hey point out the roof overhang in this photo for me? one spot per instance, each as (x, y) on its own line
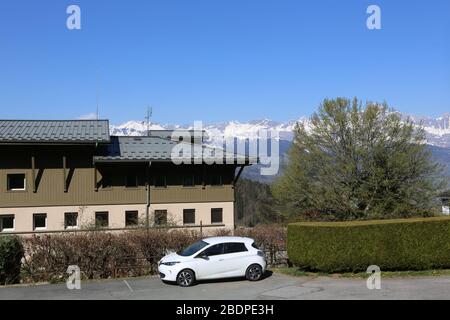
(193, 161)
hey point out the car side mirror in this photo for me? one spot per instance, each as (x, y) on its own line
(203, 256)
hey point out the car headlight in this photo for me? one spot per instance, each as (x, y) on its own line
(172, 263)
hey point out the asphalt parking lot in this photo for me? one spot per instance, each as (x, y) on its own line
(275, 286)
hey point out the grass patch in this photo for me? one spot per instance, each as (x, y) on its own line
(296, 272)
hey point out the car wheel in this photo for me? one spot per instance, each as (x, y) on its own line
(254, 272)
(186, 278)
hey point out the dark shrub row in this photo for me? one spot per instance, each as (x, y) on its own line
(402, 244)
(269, 238)
(100, 255)
(11, 253)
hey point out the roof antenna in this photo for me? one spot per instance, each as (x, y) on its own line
(97, 97)
(147, 119)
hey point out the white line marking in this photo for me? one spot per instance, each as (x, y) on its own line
(129, 287)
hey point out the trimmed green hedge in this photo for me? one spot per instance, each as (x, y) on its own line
(11, 253)
(401, 244)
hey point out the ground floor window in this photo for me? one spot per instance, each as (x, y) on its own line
(39, 221)
(216, 215)
(131, 218)
(189, 216)
(6, 223)
(160, 217)
(101, 219)
(71, 220)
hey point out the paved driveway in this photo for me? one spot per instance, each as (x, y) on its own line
(275, 286)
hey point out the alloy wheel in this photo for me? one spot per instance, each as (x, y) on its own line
(185, 278)
(254, 273)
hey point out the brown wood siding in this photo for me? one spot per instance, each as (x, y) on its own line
(49, 180)
(179, 194)
(50, 191)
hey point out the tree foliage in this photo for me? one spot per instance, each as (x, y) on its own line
(358, 162)
(254, 203)
(11, 253)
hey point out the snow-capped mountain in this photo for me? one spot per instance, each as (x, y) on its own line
(244, 130)
(437, 129)
(133, 128)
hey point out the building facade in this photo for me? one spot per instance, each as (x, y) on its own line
(72, 175)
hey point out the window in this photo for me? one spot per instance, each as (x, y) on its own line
(39, 221)
(160, 181)
(189, 216)
(188, 180)
(235, 247)
(132, 180)
(215, 250)
(101, 219)
(216, 180)
(6, 223)
(71, 220)
(131, 218)
(16, 182)
(160, 217)
(193, 248)
(216, 215)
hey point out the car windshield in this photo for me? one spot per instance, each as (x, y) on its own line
(193, 248)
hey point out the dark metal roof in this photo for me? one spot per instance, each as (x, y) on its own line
(54, 131)
(176, 134)
(137, 148)
(156, 149)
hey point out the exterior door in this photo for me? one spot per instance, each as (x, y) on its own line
(213, 265)
(236, 259)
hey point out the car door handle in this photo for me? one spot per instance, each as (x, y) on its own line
(221, 259)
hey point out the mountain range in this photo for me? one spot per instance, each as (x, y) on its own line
(437, 133)
(437, 129)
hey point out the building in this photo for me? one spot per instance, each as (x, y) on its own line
(445, 205)
(69, 175)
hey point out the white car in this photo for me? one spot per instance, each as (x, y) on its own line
(214, 258)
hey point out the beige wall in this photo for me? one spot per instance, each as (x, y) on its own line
(86, 214)
(55, 216)
(202, 212)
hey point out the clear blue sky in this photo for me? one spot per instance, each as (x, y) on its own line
(218, 60)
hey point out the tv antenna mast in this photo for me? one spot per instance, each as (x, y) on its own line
(148, 118)
(97, 97)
